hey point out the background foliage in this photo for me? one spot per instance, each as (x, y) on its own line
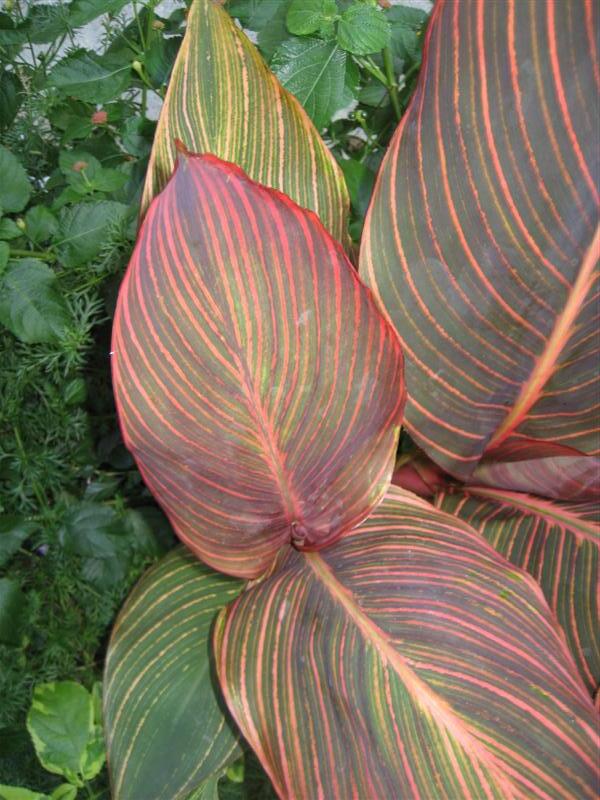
(77, 526)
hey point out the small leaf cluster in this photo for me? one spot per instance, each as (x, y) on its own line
(353, 67)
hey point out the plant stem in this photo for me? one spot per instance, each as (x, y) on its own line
(45, 254)
(392, 84)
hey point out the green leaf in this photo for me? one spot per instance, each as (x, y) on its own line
(65, 736)
(85, 228)
(159, 56)
(166, 729)
(406, 27)
(89, 77)
(45, 23)
(14, 530)
(96, 533)
(85, 174)
(4, 256)
(40, 224)
(15, 188)
(9, 229)
(10, 98)
(66, 791)
(363, 29)
(83, 11)
(309, 16)
(18, 793)
(314, 71)
(12, 609)
(30, 305)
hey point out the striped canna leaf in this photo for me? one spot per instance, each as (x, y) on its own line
(165, 724)
(556, 542)
(547, 470)
(482, 242)
(223, 99)
(252, 371)
(407, 660)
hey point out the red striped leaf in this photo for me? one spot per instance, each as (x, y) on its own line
(557, 543)
(252, 371)
(482, 242)
(223, 99)
(408, 660)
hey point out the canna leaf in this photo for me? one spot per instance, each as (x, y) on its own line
(165, 728)
(222, 99)
(252, 371)
(557, 543)
(544, 469)
(408, 660)
(481, 241)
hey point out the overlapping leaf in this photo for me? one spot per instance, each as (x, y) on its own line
(408, 660)
(558, 543)
(166, 729)
(482, 240)
(252, 371)
(223, 99)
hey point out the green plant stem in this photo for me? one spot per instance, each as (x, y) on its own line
(373, 70)
(45, 254)
(392, 84)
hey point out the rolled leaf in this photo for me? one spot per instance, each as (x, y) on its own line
(408, 660)
(481, 241)
(557, 543)
(223, 99)
(547, 470)
(167, 730)
(252, 371)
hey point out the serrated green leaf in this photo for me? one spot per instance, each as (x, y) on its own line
(92, 78)
(309, 16)
(15, 188)
(314, 71)
(14, 530)
(10, 98)
(61, 725)
(83, 11)
(12, 608)
(363, 29)
(84, 229)
(30, 305)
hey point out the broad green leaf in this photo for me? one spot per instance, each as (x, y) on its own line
(481, 241)
(86, 175)
(558, 543)
(12, 609)
(62, 727)
(314, 71)
(406, 30)
(166, 729)
(83, 11)
(309, 16)
(40, 224)
(256, 14)
(31, 306)
(222, 99)
(90, 77)
(252, 371)
(14, 530)
(85, 228)
(275, 32)
(19, 793)
(363, 29)
(414, 656)
(10, 98)
(15, 188)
